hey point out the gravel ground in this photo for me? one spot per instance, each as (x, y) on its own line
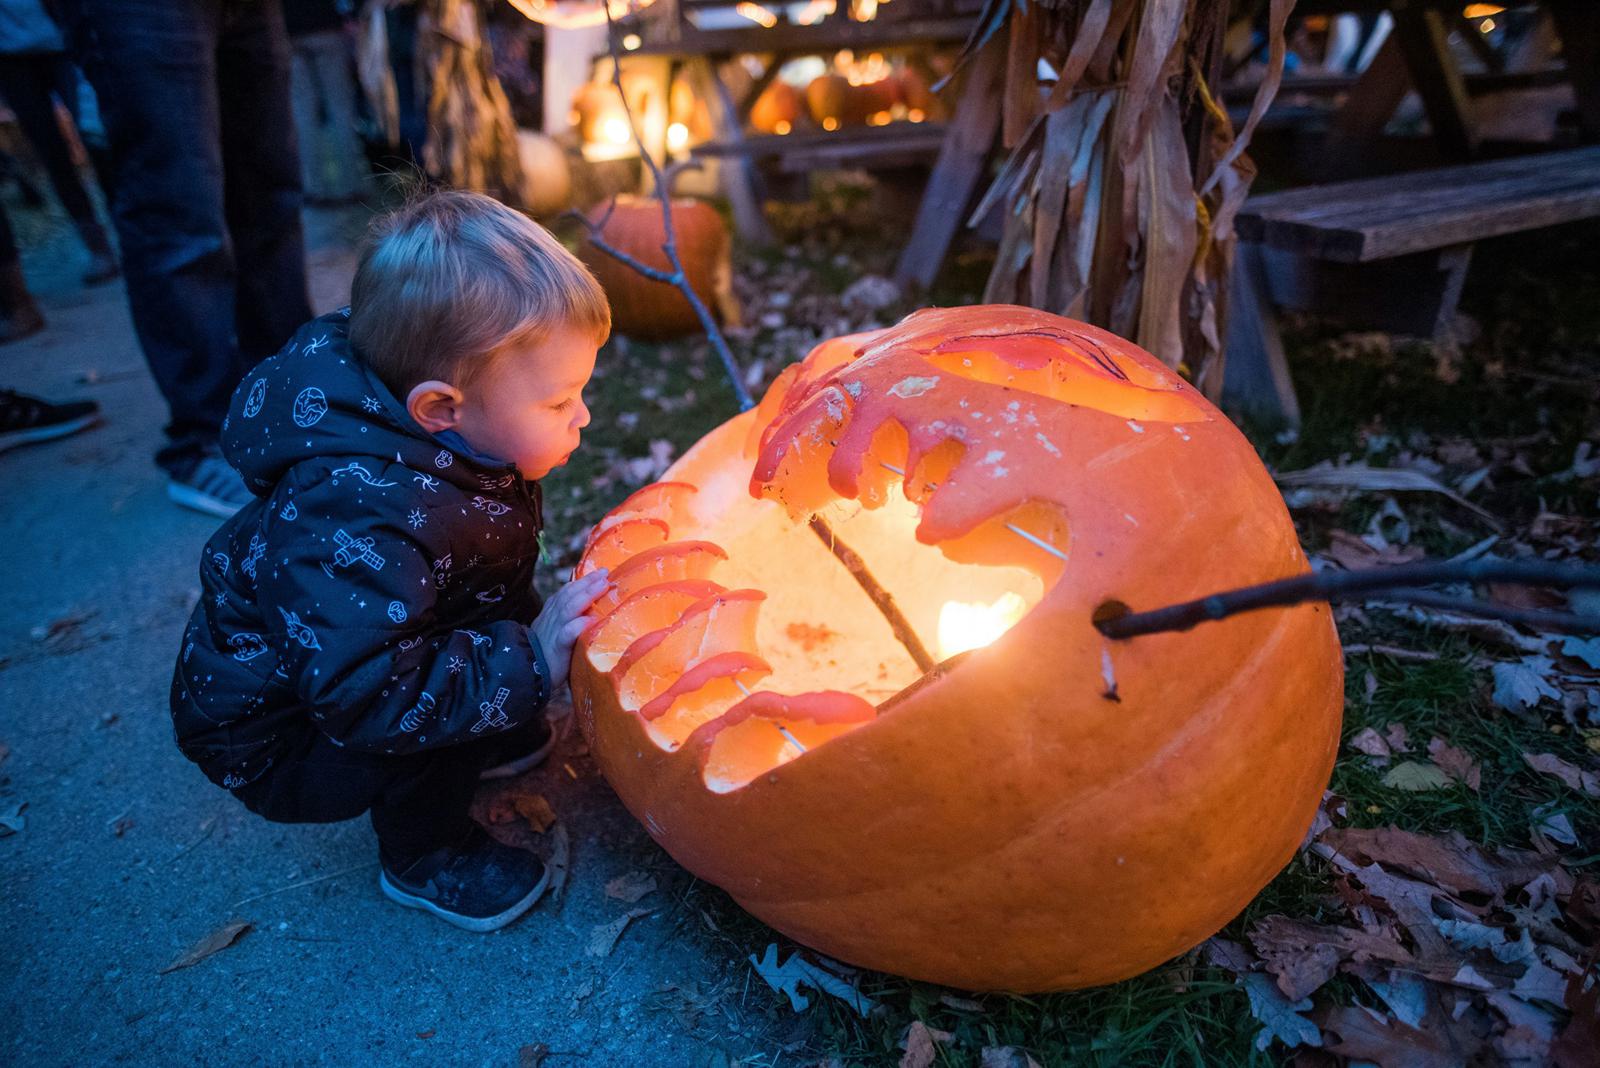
(129, 856)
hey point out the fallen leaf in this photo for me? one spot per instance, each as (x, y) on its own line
(429, 1033)
(788, 977)
(1398, 737)
(1575, 777)
(11, 818)
(922, 1045)
(535, 809)
(1362, 1034)
(1584, 649)
(1524, 683)
(631, 886)
(1360, 477)
(215, 942)
(532, 1055)
(1370, 742)
(1556, 826)
(1451, 861)
(1457, 763)
(603, 939)
(1575, 1046)
(1355, 554)
(560, 860)
(1279, 1017)
(1414, 776)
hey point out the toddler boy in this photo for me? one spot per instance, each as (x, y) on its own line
(368, 638)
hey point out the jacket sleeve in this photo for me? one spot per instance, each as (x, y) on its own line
(347, 589)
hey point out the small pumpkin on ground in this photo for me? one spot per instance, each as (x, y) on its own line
(640, 307)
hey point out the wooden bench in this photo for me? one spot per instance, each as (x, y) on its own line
(1383, 253)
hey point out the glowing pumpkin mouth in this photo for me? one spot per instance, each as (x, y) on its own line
(931, 455)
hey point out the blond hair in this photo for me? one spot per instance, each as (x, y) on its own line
(452, 277)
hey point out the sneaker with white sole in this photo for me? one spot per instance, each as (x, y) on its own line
(25, 420)
(208, 485)
(479, 885)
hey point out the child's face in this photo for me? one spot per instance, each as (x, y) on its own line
(528, 407)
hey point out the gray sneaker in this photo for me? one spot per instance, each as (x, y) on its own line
(209, 486)
(479, 885)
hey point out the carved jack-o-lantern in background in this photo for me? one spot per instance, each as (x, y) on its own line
(1044, 809)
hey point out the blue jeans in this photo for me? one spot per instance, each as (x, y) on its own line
(206, 201)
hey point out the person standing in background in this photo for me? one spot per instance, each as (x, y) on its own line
(194, 95)
(35, 73)
(323, 82)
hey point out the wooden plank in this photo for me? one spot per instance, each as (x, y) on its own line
(1255, 374)
(1378, 218)
(1424, 36)
(861, 141)
(962, 161)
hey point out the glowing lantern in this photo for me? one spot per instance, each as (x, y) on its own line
(1042, 809)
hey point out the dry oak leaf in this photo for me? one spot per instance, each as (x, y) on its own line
(1414, 777)
(1303, 955)
(1575, 777)
(535, 809)
(1363, 1034)
(603, 939)
(1450, 861)
(921, 1045)
(215, 942)
(1457, 763)
(631, 886)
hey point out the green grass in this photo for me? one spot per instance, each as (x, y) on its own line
(1541, 332)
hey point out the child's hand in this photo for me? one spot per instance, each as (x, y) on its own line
(561, 620)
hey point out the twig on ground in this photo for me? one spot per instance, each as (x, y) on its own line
(303, 883)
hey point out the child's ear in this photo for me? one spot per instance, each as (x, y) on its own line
(434, 405)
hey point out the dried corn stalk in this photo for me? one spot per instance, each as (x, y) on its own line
(472, 138)
(1122, 185)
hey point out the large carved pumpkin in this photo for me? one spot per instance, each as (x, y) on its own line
(1048, 810)
(646, 309)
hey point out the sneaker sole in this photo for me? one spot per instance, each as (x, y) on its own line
(516, 767)
(47, 433)
(481, 925)
(191, 498)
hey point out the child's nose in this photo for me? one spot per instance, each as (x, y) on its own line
(583, 416)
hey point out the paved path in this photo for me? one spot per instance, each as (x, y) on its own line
(129, 856)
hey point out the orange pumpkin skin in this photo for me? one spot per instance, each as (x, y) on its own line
(640, 307)
(777, 109)
(1007, 826)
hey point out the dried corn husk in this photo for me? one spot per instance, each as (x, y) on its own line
(472, 138)
(1117, 213)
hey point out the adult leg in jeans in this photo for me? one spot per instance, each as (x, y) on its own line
(155, 68)
(261, 161)
(28, 83)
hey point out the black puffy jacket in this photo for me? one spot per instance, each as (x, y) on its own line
(379, 589)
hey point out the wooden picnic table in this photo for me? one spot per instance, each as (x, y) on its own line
(1418, 54)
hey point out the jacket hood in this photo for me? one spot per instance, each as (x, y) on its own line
(317, 399)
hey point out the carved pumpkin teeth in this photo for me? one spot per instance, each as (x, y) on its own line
(666, 501)
(650, 609)
(673, 562)
(722, 623)
(619, 542)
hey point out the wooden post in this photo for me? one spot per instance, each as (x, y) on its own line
(1256, 374)
(960, 166)
(739, 183)
(1424, 37)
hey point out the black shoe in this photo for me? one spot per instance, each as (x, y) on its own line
(480, 885)
(25, 419)
(520, 750)
(208, 484)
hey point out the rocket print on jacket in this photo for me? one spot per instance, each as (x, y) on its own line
(384, 582)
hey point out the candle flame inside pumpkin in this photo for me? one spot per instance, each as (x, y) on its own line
(966, 625)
